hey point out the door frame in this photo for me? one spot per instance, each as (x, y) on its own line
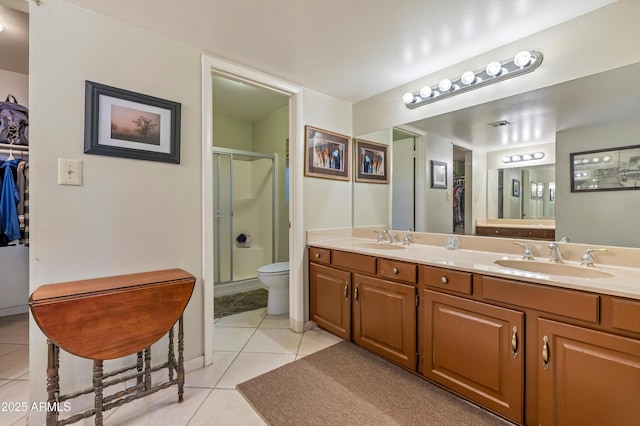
(211, 65)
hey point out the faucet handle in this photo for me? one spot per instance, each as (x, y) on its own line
(587, 258)
(527, 253)
(405, 239)
(380, 236)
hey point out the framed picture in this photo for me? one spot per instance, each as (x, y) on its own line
(326, 154)
(371, 160)
(120, 123)
(515, 188)
(534, 190)
(539, 190)
(612, 169)
(438, 174)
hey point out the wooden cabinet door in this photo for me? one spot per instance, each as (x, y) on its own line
(588, 378)
(330, 299)
(476, 350)
(384, 319)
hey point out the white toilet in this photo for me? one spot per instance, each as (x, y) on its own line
(276, 277)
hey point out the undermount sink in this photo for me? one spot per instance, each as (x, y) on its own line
(379, 246)
(553, 268)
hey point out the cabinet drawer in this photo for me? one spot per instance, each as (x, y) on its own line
(354, 261)
(447, 279)
(626, 314)
(397, 270)
(568, 303)
(319, 255)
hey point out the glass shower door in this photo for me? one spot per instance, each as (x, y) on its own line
(223, 216)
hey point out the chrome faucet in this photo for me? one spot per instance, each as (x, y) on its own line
(527, 253)
(587, 258)
(392, 239)
(405, 239)
(380, 236)
(556, 256)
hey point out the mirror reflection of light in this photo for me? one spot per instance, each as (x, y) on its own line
(606, 158)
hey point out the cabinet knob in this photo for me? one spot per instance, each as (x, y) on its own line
(444, 280)
(395, 270)
(317, 255)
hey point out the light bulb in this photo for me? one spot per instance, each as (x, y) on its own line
(527, 157)
(606, 158)
(407, 98)
(522, 59)
(538, 155)
(444, 85)
(493, 69)
(426, 92)
(506, 159)
(468, 78)
(516, 158)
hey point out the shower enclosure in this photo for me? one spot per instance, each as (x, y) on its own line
(244, 217)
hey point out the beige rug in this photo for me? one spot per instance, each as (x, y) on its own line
(241, 302)
(346, 385)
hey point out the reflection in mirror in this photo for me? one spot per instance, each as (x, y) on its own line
(521, 192)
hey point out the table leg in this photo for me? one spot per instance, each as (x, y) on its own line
(172, 358)
(180, 360)
(53, 383)
(97, 384)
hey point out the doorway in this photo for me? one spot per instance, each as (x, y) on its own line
(293, 231)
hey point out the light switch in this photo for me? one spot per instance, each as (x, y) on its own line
(69, 171)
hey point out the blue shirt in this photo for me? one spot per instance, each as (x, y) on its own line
(9, 198)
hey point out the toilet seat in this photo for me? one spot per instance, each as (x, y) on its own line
(279, 268)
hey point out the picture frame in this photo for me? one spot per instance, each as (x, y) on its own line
(539, 190)
(611, 169)
(371, 162)
(534, 190)
(438, 174)
(515, 188)
(126, 124)
(327, 154)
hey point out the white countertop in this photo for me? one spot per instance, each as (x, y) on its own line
(625, 281)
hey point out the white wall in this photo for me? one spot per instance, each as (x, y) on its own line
(14, 261)
(371, 200)
(606, 217)
(439, 204)
(129, 215)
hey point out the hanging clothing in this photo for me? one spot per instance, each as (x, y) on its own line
(25, 239)
(9, 198)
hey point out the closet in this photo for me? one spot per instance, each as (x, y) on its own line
(458, 191)
(14, 228)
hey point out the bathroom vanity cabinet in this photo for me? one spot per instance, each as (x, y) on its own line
(533, 353)
(347, 297)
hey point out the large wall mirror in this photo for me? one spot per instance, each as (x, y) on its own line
(594, 112)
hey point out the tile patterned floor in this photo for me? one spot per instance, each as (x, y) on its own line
(247, 345)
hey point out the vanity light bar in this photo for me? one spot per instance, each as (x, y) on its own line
(524, 62)
(522, 157)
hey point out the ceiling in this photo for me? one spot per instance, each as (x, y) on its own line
(359, 48)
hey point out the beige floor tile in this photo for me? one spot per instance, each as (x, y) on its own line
(15, 392)
(231, 339)
(159, 409)
(250, 365)
(9, 326)
(244, 319)
(5, 348)
(4, 382)
(275, 321)
(21, 422)
(225, 407)
(274, 340)
(208, 377)
(19, 335)
(315, 340)
(15, 363)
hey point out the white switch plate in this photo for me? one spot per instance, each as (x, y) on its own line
(69, 171)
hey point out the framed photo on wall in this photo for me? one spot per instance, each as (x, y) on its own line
(371, 162)
(438, 174)
(612, 169)
(515, 188)
(121, 123)
(326, 154)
